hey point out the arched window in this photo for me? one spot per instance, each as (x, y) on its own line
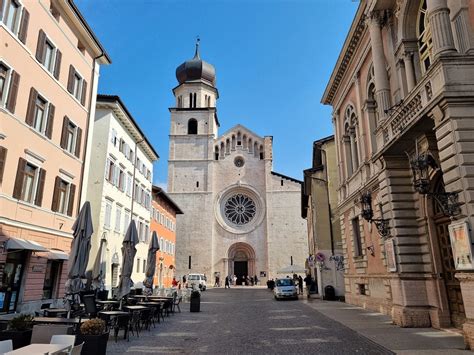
(209, 101)
(244, 141)
(239, 138)
(216, 153)
(351, 140)
(222, 155)
(250, 145)
(227, 146)
(233, 142)
(194, 103)
(255, 149)
(372, 105)
(425, 40)
(261, 152)
(190, 100)
(192, 126)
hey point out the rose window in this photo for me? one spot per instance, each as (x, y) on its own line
(240, 209)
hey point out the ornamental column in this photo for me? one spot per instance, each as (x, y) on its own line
(382, 85)
(409, 70)
(440, 25)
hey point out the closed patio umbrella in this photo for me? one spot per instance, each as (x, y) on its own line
(79, 255)
(128, 256)
(151, 264)
(98, 270)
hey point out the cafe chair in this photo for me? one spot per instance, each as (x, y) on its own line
(42, 333)
(67, 340)
(121, 322)
(6, 346)
(77, 349)
(176, 303)
(90, 306)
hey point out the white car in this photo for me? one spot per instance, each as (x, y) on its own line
(285, 288)
(198, 280)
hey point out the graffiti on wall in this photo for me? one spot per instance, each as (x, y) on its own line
(338, 261)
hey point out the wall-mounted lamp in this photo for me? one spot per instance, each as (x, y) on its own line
(381, 224)
(420, 164)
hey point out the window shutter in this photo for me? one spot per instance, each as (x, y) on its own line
(13, 92)
(1, 9)
(107, 169)
(84, 91)
(70, 205)
(49, 124)
(55, 204)
(25, 19)
(30, 113)
(57, 64)
(19, 178)
(3, 158)
(78, 142)
(70, 80)
(63, 143)
(39, 192)
(40, 46)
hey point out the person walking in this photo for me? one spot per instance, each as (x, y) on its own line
(308, 280)
(217, 282)
(300, 285)
(235, 280)
(227, 283)
(256, 280)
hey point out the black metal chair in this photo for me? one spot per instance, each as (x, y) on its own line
(102, 295)
(90, 306)
(134, 325)
(122, 322)
(176, 303)
(145, 318)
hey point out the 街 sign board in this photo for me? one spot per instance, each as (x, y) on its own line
(461, 245)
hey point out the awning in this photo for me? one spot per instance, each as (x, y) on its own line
(56, 254)
(22, 244)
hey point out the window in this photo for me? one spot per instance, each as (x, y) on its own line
(40, 114)
(71, 137)
(356, 237)
(138, 265)
(63, 196)
(351, 140)
(161, 243)
(108, 214)
(54, 11)
(48, 54)
(118, 216)
(29, 182)
(192, 126)
(77, 87)
(115, 270)
(3, 158)
(110, 170)
(126, 220)
(129, 184)
(121, 180)
(113, 137)
(51, 279)
(144, 265)
(146, 233)
(425, 40)
(9, 83)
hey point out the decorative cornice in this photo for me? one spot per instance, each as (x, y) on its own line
(345, 57)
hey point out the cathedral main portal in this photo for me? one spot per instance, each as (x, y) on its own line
(241, 259)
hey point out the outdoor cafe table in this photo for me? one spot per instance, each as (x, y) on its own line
(56, 320)
(55, 312)
(135, 308)
(39, 349)
(108, 304)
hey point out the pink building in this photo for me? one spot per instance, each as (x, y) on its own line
(49, 67)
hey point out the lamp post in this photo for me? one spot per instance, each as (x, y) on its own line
(381, 224)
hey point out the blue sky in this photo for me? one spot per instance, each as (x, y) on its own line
(273, 59)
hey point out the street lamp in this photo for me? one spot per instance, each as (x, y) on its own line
(381, 224)
(420, 166)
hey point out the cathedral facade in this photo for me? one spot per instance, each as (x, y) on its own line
(239, 216)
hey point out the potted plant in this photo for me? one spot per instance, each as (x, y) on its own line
(19, 330)
(195, 305)
(94, 335)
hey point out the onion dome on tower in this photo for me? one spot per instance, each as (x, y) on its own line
(195, 70)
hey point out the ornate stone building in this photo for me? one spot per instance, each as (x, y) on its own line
(239, 217)
(403, 93)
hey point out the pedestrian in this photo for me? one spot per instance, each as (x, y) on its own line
(227, 285)
(184, 279)
(308, 280)
(235, 280)
(300, 285)
(251, 280)
(174, 283)
(216, 284)
(255, 279)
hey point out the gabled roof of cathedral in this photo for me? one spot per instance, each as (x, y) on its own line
(287, 177)
(242, 129)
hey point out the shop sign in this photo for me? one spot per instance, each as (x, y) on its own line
(390, 255)
(461, 245)
(263, 274)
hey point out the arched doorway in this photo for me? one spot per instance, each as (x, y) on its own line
(241, 259)
(453, 288)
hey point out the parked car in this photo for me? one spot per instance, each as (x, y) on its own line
(199, 280)
(285, 288)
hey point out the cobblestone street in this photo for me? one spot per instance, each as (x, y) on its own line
(247, 321)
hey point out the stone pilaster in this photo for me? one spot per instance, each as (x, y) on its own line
(409, 70)
(440, 24)
(467, 288)
(382, 85)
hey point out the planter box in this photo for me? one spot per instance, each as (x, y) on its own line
(93, 344)
(19, 338)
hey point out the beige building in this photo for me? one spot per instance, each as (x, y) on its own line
(402, 92)
(120, 186)
(319, 207)
(49, 67)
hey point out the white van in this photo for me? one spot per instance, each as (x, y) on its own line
(197, 279)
